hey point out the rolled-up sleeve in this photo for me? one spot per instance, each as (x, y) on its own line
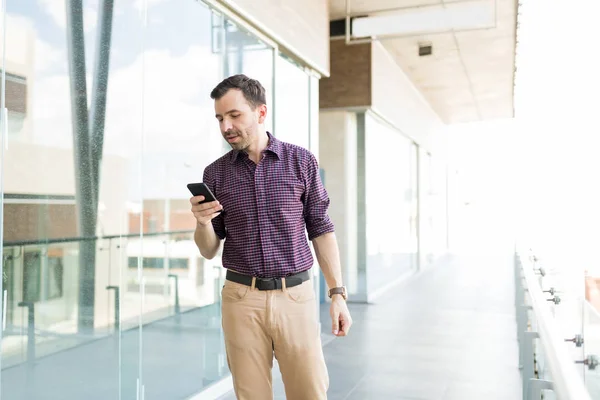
(316, 201)
(218, 222)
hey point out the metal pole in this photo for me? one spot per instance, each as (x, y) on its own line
(30, 331)
(86, 192)
(177, 308)
(117, 307)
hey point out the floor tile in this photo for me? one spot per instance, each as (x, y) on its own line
(448, 334)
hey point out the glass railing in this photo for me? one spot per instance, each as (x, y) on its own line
(152, 289)
(553, 342)
(591, 345)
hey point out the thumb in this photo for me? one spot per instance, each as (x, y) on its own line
(335, 323)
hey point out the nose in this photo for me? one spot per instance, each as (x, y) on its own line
(226, 125)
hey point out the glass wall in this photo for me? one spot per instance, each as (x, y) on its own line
(426, 209)
(439, 202)
(391, 204)
(109, 117)
(292, 119)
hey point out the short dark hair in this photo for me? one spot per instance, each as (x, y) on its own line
(253, 91)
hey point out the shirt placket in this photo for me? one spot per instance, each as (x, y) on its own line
(259, 189)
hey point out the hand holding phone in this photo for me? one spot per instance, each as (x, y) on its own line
(205, 206)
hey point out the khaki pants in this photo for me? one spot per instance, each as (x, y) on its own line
(259, 324)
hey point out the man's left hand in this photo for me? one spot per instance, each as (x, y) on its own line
(340, 316)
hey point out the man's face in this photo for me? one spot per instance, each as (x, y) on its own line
(237, 120)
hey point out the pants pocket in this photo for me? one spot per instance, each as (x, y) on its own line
(302, 293)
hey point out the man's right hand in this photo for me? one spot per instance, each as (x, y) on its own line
(204, 213)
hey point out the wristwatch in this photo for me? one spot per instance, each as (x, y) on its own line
(338, 290)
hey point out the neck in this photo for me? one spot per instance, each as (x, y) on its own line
(255, 150)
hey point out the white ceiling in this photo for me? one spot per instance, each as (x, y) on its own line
(469, 76)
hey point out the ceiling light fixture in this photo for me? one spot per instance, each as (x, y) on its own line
(447, 17)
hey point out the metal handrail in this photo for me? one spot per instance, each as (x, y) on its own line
(567, 383)
(88, 238)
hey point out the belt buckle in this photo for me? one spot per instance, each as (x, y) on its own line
(267, 284)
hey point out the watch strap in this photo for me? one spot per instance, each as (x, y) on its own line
(337, 290)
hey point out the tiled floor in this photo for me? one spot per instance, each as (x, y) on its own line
(447, 334)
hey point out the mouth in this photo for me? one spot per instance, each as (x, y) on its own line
(231, 139)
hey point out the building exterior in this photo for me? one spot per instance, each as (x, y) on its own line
(108, 117)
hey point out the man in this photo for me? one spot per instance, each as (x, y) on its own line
(269, 194)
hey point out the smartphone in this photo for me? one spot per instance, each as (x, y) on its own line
(200, 189)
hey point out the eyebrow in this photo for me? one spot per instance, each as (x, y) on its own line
(229, 112)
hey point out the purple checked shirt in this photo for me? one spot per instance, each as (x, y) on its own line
(268, 208)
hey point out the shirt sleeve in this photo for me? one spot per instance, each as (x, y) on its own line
(316, 201)
(218, 222)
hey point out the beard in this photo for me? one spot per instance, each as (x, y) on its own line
(242, 139)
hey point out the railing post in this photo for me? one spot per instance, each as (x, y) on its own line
(518, 282)
(117, 306)
(217, 283)
(177, 308)
(528, 367)
(536, 386)
(522, 318)
(30, 331)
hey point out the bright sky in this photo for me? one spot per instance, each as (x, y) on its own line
(540, 170)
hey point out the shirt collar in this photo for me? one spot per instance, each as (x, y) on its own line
(274, 147)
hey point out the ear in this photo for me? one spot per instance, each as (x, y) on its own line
(262, 113)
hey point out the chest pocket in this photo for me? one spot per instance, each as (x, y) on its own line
(285, 194)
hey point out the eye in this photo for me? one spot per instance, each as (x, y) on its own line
(235, 115)
(219, 119)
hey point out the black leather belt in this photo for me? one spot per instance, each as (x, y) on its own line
(268, 283)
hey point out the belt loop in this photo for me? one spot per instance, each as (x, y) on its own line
(283, 286)
(253, 286)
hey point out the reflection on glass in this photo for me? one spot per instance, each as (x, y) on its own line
(293, 113)
(250, 56)
(106, 293)
(426, 210)
(391, 230)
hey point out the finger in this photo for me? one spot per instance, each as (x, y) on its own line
(342, 326)
(205, 220)
(196, 199)
(217, 209)
(347, 324)
(213, 216)
(206, 206)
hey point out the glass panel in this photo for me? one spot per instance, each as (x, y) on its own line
(250, 56)
(293, 123)
(426, 242)
(390, 235)
(313, 145)
(183, 348)
(108, 120)
(292, 93)
(411, 202)
(439, 201)
(3, 138)
(70, 182)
